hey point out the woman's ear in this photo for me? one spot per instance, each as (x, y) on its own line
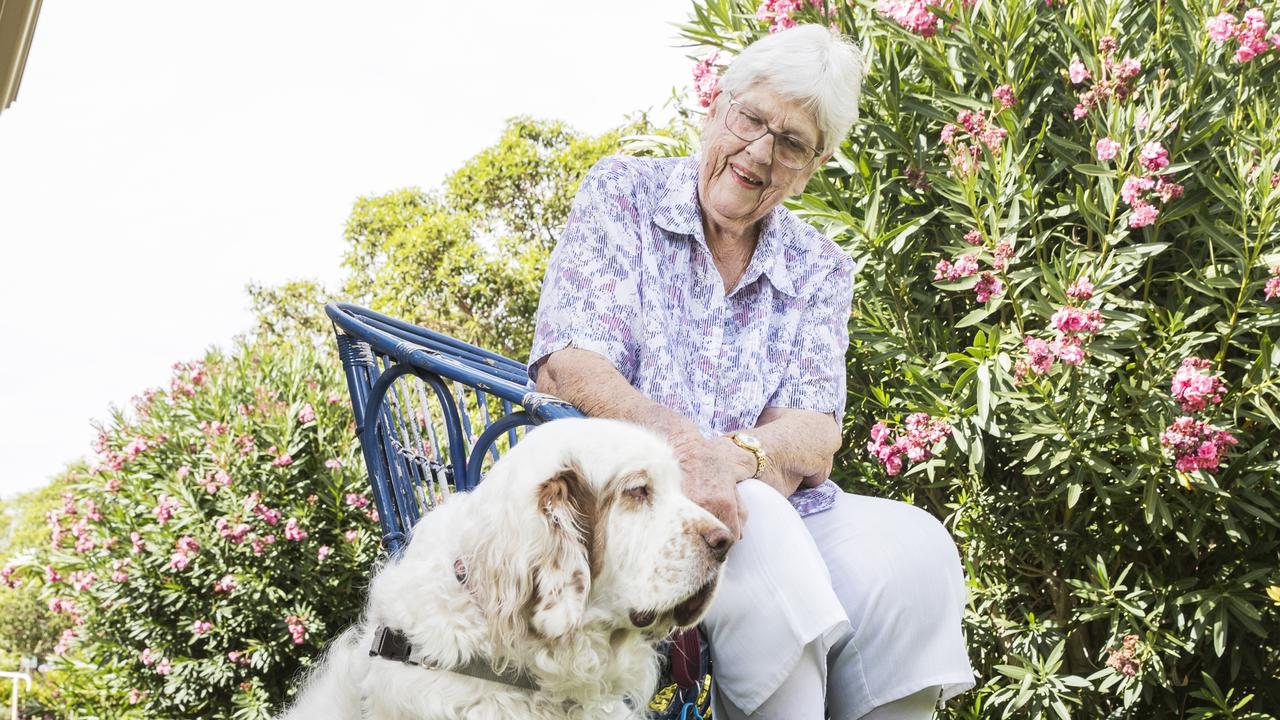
(562, 567)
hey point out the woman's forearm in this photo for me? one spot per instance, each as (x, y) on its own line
(592, 384)
(800, 445)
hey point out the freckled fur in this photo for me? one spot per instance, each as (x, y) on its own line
(555, 564)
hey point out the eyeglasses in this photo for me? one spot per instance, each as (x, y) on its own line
(789, 150)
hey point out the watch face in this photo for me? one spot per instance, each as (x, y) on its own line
(749, 440)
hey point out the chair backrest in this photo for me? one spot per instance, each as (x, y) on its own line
(432, 412)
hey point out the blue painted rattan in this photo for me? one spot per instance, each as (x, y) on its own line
(432, 412)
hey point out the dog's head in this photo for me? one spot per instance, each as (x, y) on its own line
(590, 524)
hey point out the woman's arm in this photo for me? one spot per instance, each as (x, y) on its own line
(800, 444)
(712, 466)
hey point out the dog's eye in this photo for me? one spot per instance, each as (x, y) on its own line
(640, 492)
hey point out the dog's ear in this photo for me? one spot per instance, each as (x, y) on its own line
(562, 574)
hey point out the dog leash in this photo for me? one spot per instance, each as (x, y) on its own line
(393, 644)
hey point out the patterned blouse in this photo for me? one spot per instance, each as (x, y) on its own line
(632, 279)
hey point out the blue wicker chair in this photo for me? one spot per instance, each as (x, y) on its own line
(432, 414)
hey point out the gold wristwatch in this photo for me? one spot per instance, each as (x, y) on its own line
(752, 444)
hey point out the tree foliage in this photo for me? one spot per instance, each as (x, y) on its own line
(1118, 546)
(468, 259)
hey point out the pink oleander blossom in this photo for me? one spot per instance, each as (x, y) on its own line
(1154, 157)
(1077, 72)
(1068, 349)
(307, 414)
(165, 509)
(297, 629)
(323, 552)
(1125, 660)
(225, 584)
(988, 286)
(65, 641)
(293, 532)
(1081, 289)
(706, 78)
(1222, 27)
(333, 464)
(1069, 320)
(1134, 187)
(1004, 97)
(1272, 289)
(351, 535)
(1107, 149)
(1168, 190)
(1144, 214)
(1195, 387)
(200, 627)
(973, 237)
(915, 442)
(1196, 445)
(1002, 255)
(356, 501)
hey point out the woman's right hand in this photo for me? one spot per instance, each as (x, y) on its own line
(713, 467)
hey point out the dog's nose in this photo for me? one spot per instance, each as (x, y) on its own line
(718, 539)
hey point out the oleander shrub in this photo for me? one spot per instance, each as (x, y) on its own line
(1064, 219)
(222, 535)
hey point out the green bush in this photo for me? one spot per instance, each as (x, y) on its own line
(1118, 556)
(224, 534)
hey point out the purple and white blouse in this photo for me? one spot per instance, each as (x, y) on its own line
(632, 279)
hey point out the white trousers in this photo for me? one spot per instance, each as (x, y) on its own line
(871, 588)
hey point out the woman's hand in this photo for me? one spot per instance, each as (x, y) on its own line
(713, 467)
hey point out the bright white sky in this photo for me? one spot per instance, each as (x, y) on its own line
(161, 155)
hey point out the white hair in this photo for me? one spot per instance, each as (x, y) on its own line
(810, 64)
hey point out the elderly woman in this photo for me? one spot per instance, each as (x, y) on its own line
(682, 296)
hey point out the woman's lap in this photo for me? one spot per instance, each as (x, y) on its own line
(878, 579)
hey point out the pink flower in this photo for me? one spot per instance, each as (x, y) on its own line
(164, 667)
(64, 642)
(1222, 28)
(1003, 254)
(1154, 156)
(269, 515)
(119, 570)
(1128, 68)
(225, 584)
(920, 435)
(1107, 149)
(1193, 388)
(200, 627)
(1168, 191)
(135, 696)
(351, 535)
(323, 552)
(706, 79)
(333, 463)
(297, 628)
(988, 287)
(1134, 187)
(307, 414)
(1068, 349)
(1144, 214)
(165, 509)
(138, 545)
(1081, 289)
(1196, 445)
(913, 15)
(1272, 288)
(1079, 111)
(1069, 320)
(292, 532)
(1077, 71)
(51, 575)
(1040, 355)
(1125, 660)
(82, 579)
(1004, 96)
(973, 237)
(148, 657)
(1106, 45)
(357, 501)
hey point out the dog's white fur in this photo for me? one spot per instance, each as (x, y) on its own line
(576, 536)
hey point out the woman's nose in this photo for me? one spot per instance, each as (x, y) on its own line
(761, 149)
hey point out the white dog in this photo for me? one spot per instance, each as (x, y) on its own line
(538, 596)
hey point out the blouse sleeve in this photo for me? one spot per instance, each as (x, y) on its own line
(591, 292)
(815, 377)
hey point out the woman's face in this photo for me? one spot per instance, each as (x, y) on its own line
(740, 182)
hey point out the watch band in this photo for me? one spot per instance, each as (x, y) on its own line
(751, 444)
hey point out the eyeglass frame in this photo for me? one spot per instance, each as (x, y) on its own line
(768, 131)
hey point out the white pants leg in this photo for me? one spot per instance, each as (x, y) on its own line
(872, 586)
(897, 573)
(774, 599)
